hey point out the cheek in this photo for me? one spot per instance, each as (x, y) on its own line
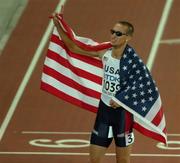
(123, 39)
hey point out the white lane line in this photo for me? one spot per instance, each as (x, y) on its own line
(70, 133)
(86, 154)
(28, 74)
(173, 135)
(12, 24)
(159, 33)
(170, 41)
(56, 133)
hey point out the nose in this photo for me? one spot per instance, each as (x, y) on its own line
(113, 35)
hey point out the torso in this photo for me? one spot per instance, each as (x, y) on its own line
(111, 78)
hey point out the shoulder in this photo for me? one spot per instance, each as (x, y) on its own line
(131, 59)
(132, 54)
(104, 53)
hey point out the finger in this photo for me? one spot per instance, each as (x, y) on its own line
(110, 103)
(113, 106)
(116, 105)
(52, 16)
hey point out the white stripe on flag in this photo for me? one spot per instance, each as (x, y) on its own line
(69, 90)
(154, 110)
(55, 32)
(75, 62)
(68, 73)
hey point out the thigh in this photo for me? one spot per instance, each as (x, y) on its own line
(101, 133)
(123, 129)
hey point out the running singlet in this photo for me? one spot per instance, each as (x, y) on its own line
(111, 78)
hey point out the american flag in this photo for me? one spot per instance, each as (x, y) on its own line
(78, 80)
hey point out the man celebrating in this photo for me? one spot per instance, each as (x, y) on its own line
(110, 115)
(128, 93)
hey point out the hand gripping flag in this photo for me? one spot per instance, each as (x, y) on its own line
(78, 79)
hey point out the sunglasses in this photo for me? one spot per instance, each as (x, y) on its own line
(117, 33)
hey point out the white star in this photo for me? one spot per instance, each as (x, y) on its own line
(131, 76)
(140, 78)
(138, 71)
(124, 83)
(141, 85)
(126, 97)
(124, 68)
(134, 54)
(142, 93)
(150, 91)
(156, 88)
(140, 60)
(133, 88)
(134, 95)
(125, 56)
(143, 101)
(129, 50)
(144, 67)
(127, 88)
(148, 83)
(144, 108)
(135, 103)
(151, 99)
(134, 82)
(134, 65)
(130, 61)
(147, 75)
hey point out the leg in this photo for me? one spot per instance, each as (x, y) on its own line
(100, 140)
(96, 153)
(123, 154)
(123, 136)
(98, 147)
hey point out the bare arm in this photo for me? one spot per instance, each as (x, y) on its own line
(71, 45)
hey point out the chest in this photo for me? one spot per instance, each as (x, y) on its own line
(111, 65)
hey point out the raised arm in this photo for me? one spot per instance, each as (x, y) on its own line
(71, 45)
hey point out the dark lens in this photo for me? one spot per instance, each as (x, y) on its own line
(118, 33)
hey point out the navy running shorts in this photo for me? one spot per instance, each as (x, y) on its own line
(112, 123)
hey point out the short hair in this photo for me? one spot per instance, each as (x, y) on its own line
(130, 30)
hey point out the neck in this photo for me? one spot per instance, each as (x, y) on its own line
(117, 52)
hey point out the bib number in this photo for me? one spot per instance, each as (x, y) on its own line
(129, 138)
(110, 86)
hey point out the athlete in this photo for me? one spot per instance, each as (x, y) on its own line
(112, 120)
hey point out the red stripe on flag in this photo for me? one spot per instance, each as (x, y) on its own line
(77, 71)
(67, 97)
(165, 130)
(128, 121)
(71, 83)
(157, 119)
(93, 61)
(149, 133)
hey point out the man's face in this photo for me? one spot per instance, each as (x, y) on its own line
(116, 38)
